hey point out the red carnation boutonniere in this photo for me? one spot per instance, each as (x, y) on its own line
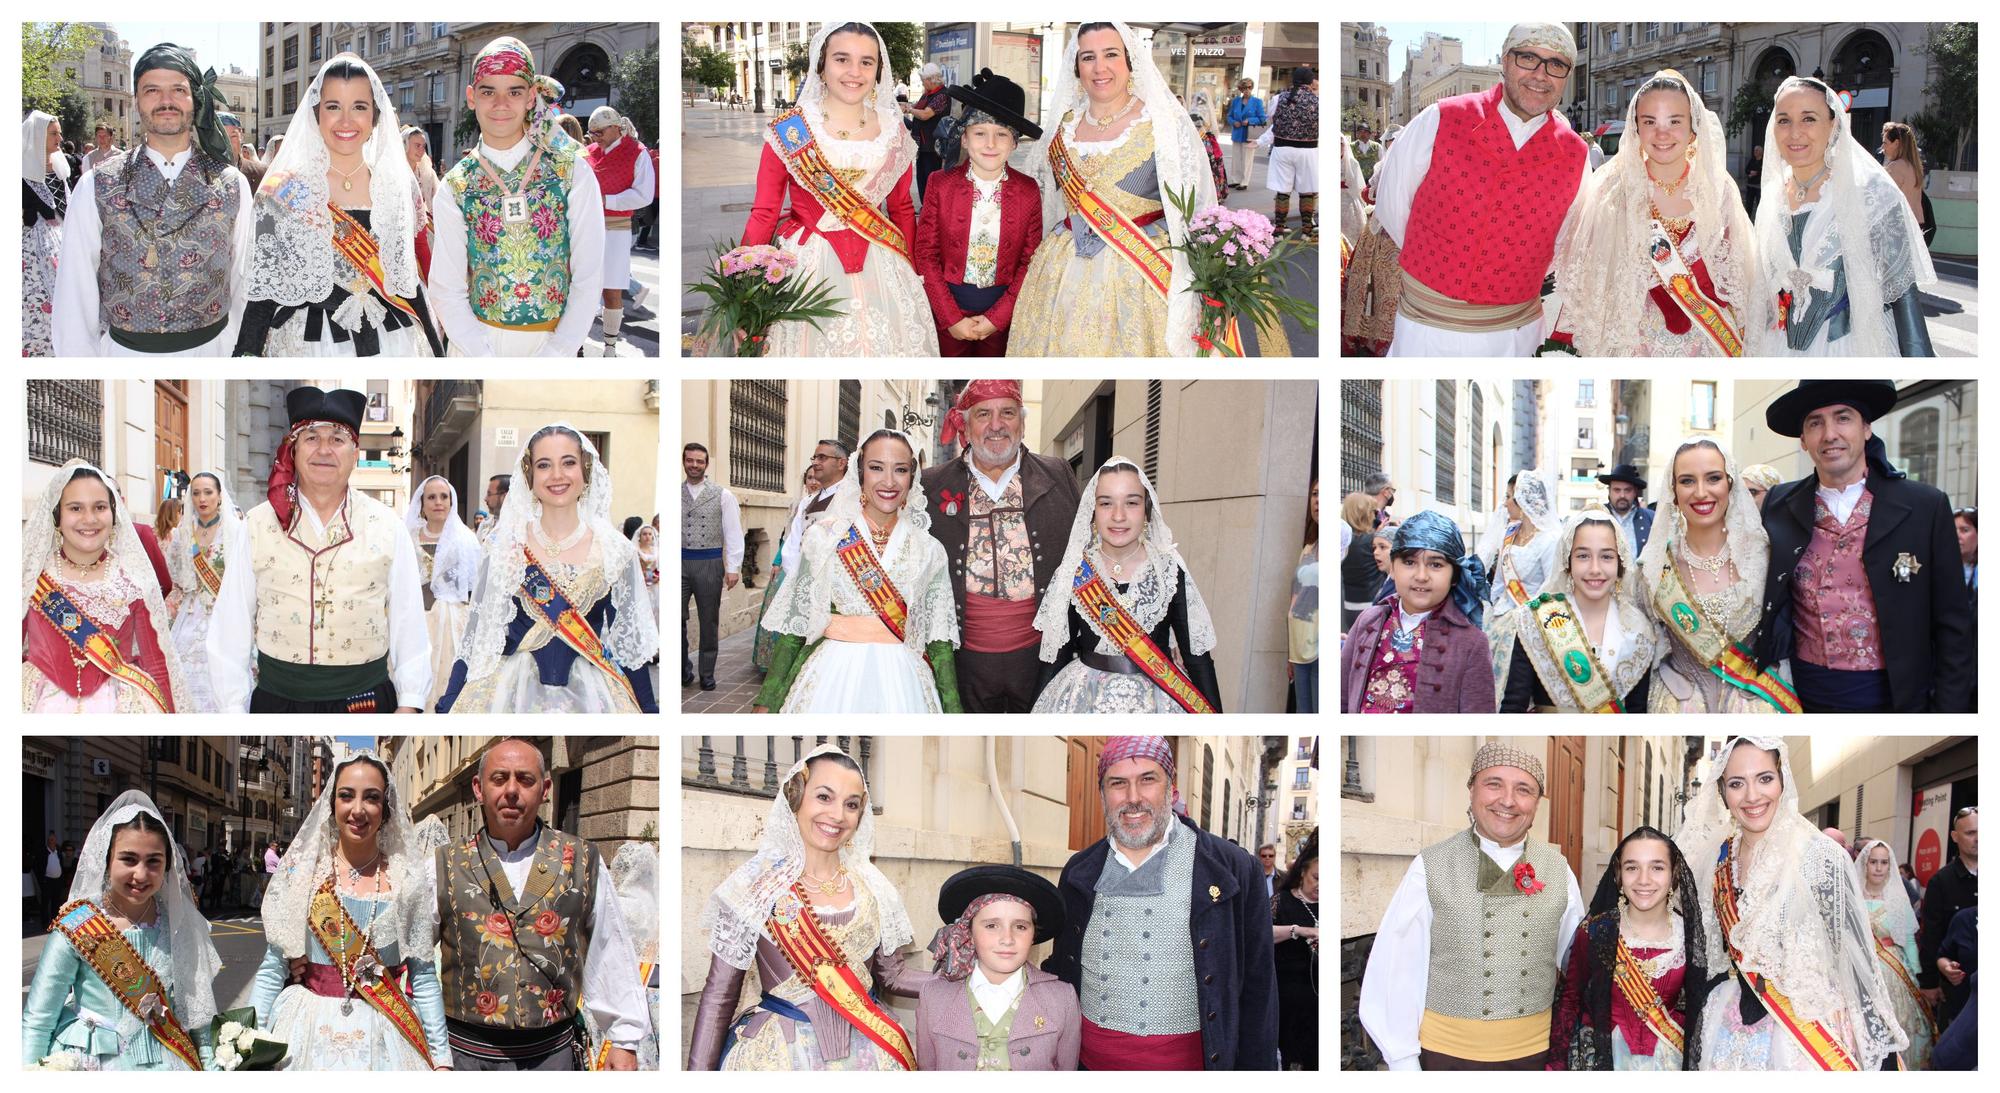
(951, 501)
(1524, 879)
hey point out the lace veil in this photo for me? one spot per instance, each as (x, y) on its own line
(1150, 593)
(456, 565)
(1897, 912)
(180, 553)
(741, 905)
(1861, 217)
(1534, 560)
(902, 157)
(37, 163)
(635, 874)
(1748, 544)
(649, 559)
(1647, 641)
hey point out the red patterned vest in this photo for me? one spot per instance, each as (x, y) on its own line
(1392, 675)
(615, 171)
(1837, 625)
(1483, 226)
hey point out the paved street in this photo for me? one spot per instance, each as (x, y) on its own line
(736, 682)
(239, 942)
(639, 334)
(1951, 308)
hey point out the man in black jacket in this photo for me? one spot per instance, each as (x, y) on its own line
(1864, 595)
(1951, 890)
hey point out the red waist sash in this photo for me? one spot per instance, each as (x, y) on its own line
(1109, 1049)
(994, 625)
(325, 981)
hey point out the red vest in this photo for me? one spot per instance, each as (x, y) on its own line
(616, 168)
(1838, 626)
(1483, 226)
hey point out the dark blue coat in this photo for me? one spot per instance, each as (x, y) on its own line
(556, 660)
(1232, 946)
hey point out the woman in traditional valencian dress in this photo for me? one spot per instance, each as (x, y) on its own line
(1893, 921)
(1100, 284)
(1585, 645)
(449, 556)
(355, 900)
(846, 133)
(1785, 924)
(560, 622)
(196, 562)
(1843, 256)
(1638, 969)
(95, 635)
(44, 203)
(1121, 606)
(335, 268)
(1662, 260)
(811, 888)
(865, 618)
(1520, 564)
(1702, 577)
(126, 979)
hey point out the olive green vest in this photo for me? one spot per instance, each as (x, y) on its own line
(1493, 948)
(513, 961)
(994, 1035)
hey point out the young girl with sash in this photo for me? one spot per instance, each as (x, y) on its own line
(334, 272)
(449, 556)
(1120, 608)
(822, 928)
(126, 979)
(560, 621)
(1520, 562)
(1102, 284)
(1584, 644)
(839, 155)
(1637, 977)
(196, 561)
(1893, 921)
(1785, 924)
(95, 635)
(349, 980)
(1702, 577)
(991, 1008)
(1662, 261)
(866, 619)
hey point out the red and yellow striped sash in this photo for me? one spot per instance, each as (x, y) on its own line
(1094, 599)
(553, 607)
(1895, 962)
(1812, 1036)
(807, 165)
(1115, 227)
(347, 944)
(873, 581)
(206, 573)
(131, 979)
(353, 242)
(821, 965)
(1645, 999)
(93, 641)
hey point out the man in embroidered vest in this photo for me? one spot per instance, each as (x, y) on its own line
(1003, 514)
(1465, 966)
(517, 268)
(1474, 192)
(1865, 595)
(1169, 938)
(529, 929)
(711, 558)
(156, 246)
(625, 178)
(329, 607)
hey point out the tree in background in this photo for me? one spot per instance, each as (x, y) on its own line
(902, 49)
(635, 86)
(48, 51)
(704, 66)
(1947, 129)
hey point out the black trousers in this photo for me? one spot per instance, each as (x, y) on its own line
(999, 682)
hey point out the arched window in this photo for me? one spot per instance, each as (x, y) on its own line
(585, 73)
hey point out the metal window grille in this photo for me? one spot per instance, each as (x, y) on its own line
(1475, 429)
(757, 434)
(1447, 442)
(65, 421)
(1360, 432)
(1153, 399)
(1920, 445)
(850, 413)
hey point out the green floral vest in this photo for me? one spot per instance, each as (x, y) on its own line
(516, 961)
(518, 274)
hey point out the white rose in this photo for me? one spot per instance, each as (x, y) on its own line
(230, 1030)
(226, 1056)
(245, 1041)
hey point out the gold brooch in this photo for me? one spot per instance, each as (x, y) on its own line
(1214, 894)
(1041, 1021)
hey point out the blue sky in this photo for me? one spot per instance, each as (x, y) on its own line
(357, 741)
(215, 45)
(1482, 40)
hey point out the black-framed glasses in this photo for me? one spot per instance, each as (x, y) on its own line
(1556, 67)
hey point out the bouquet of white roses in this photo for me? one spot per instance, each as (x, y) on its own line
(66, 1061)
(238, 1044)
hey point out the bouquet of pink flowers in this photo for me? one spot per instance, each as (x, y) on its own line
(752, 288)
(1233, 254)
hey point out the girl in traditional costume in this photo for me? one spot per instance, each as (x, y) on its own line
(44, 203)
(1893, 922)
(1585, 644)
(1526, 555)
(126, 979)
(1121, 605)
(1662, 260)
(1784, 921)
(355, 899)
(646, 543)
(197, 563)
(560, 622)
(990, 1008)
(1843, 257)
(95, 636)
(1101, 284)
(1420, 650)
(334, 273)
(845, 133)
(866, 619)
(811, 890)
(449, 555)
(1702, 577)
(635, 873)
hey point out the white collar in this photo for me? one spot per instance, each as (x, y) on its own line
(994, 487)
(985, 183)
(170, 167)
(1173, 821)
(1503, 856)
(312, 513)
(1518, 129)
(1841, 502)
(520, 853)
(602, 148)
(1408, 621)
(994, 998)
(508, 158)
(694, 491)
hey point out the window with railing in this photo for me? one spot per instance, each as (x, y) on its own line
(291, 53)
(1447, 442)
(1586, 392)
(757, 434)
(1918, 445)
(755, 766)
(1302, 778)
(409, 34)
(1298, 808)
(1475, 418)
(1360, 432)
(65, 421)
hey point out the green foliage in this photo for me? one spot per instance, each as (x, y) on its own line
(1953, 93)
(707, 67)
(635, 87)
(47, 51)
(902, 48)
(796, 60)
(74, 113)
(1355, 116)
(1750, 98)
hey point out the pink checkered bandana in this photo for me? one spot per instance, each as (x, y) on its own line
(951, 946)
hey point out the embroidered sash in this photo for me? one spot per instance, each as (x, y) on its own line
(1812, 1036)
(1645, 999)
(211, 578)
(1707, 643)
(601, 1058)
(1514, 585)
(873, 581)
(1671, 267)
(1115, 227)
(1570, 648)
(349, 947)
(1094, 599)
(1895, 962)
(120, 966)
(809, 168)
(353, 242)
(546, 599)
(89, 638)
(820, 964)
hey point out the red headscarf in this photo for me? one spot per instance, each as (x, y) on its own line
(976, 392)
(1120, 748)
(282, 493)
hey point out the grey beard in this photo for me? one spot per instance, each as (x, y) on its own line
(1117, 832)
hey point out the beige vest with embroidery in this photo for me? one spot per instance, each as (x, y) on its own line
(324, 600)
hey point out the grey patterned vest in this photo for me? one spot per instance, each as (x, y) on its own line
(517, 962)
(1493, 949)
(701, 520)
(164, 269)
(1138, 956)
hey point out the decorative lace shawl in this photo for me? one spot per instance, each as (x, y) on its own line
(1640, 629)
(180, 553)
(1535, 560)
(1897, 912)
(901, 148)
(456, 565)
(1749, 549)
(635, 873)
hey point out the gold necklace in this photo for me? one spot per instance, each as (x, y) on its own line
(841, 133)
(1670, 188)
(1131, 101)
(827, 887)
(880, 535)
(1117, 564)
(347, 179)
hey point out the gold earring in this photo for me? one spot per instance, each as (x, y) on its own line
(871, 100)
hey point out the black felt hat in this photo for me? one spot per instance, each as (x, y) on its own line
(1000, 97)
(1626, 473)
(967, 885)
(313, 404)
(1787, 415)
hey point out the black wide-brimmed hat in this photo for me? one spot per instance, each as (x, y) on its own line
(1000, 97)
(967, 885)
(1787, 415)
(1626, 473)
(313, 404)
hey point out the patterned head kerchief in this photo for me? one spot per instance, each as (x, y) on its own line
(507, 56)
(1429, 530)
(601, 117)
(1495, 754)
(207, 99)
(976, 392)
(230, 120)
(1761, 475)
(1553, 37)
(951, 946)
(1120, 748)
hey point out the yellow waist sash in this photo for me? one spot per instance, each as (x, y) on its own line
(1485, 1041)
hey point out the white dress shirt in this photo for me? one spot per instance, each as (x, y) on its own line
(994, 998)
(472, 338)
(994, 487)
(1399, 967)
(732, 522)
(77, 328)
(1841, 502)
(795, 531)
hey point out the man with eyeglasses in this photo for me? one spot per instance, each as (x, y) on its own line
(1475, 193)
(1951, 890)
